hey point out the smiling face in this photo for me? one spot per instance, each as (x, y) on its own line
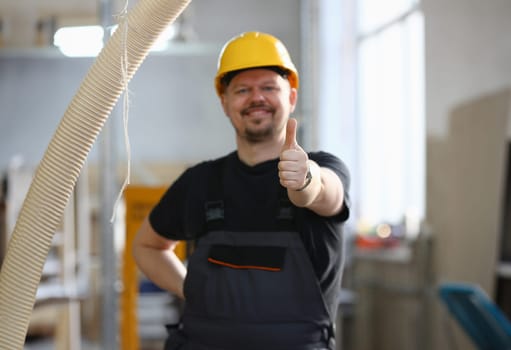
(258, 102)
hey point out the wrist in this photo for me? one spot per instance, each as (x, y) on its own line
(308, 179)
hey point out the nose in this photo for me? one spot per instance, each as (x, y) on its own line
(257, 95)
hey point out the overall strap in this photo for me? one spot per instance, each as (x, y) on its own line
(285, 219)
(214, 206)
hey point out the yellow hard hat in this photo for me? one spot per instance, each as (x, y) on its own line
(252, 50)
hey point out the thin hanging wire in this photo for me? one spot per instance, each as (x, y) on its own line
(123, 20)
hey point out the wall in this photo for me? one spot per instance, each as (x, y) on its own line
(467, 66)
(467, 55)
(174, 112)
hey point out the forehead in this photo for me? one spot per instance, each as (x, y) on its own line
(258, 75)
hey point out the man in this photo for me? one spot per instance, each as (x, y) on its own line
(266, 220)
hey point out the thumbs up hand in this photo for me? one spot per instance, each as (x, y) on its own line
(293, 165)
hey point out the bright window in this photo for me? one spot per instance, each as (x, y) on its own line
(390, 111)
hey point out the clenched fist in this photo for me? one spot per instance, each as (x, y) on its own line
(293, 164)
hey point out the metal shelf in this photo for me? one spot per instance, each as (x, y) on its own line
(174, 49)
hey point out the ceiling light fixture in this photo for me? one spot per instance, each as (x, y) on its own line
(79, 41)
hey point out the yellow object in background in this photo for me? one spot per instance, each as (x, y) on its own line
(139, 201)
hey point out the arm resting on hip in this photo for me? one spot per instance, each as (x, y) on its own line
(155, 257)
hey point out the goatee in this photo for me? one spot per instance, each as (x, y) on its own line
(257, 136)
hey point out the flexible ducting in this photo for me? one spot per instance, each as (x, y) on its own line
(58, 171)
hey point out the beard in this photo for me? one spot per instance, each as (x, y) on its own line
(257, 133)
(261, 135)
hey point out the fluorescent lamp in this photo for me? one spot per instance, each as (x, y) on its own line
(80, 41)
(87, 41)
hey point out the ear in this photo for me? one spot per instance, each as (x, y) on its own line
(293, 98)
(223, 102)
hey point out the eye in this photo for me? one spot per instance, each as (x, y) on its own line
(241, 91)
(269, 88)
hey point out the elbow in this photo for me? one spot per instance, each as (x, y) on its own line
(136, 249)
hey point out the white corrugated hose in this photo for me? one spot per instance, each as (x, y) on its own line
(64, 158)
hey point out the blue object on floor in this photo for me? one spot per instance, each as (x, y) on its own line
(478, 315)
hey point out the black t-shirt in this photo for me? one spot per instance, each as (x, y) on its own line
(250, 197)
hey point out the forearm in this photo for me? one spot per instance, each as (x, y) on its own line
(324, 195)
(162, 267)
(155, 257)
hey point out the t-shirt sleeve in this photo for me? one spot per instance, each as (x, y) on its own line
(176, 215)
(333, 163)
(166, 216)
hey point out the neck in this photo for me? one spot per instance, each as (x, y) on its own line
(255, 153)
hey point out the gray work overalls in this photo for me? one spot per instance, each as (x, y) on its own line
(253, 290)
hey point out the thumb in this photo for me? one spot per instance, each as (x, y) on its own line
(290, 141)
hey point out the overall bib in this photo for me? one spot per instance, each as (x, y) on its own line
(253, 290)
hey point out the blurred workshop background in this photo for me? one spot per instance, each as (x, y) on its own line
(414, 95)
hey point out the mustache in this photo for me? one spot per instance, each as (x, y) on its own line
(255, 106)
